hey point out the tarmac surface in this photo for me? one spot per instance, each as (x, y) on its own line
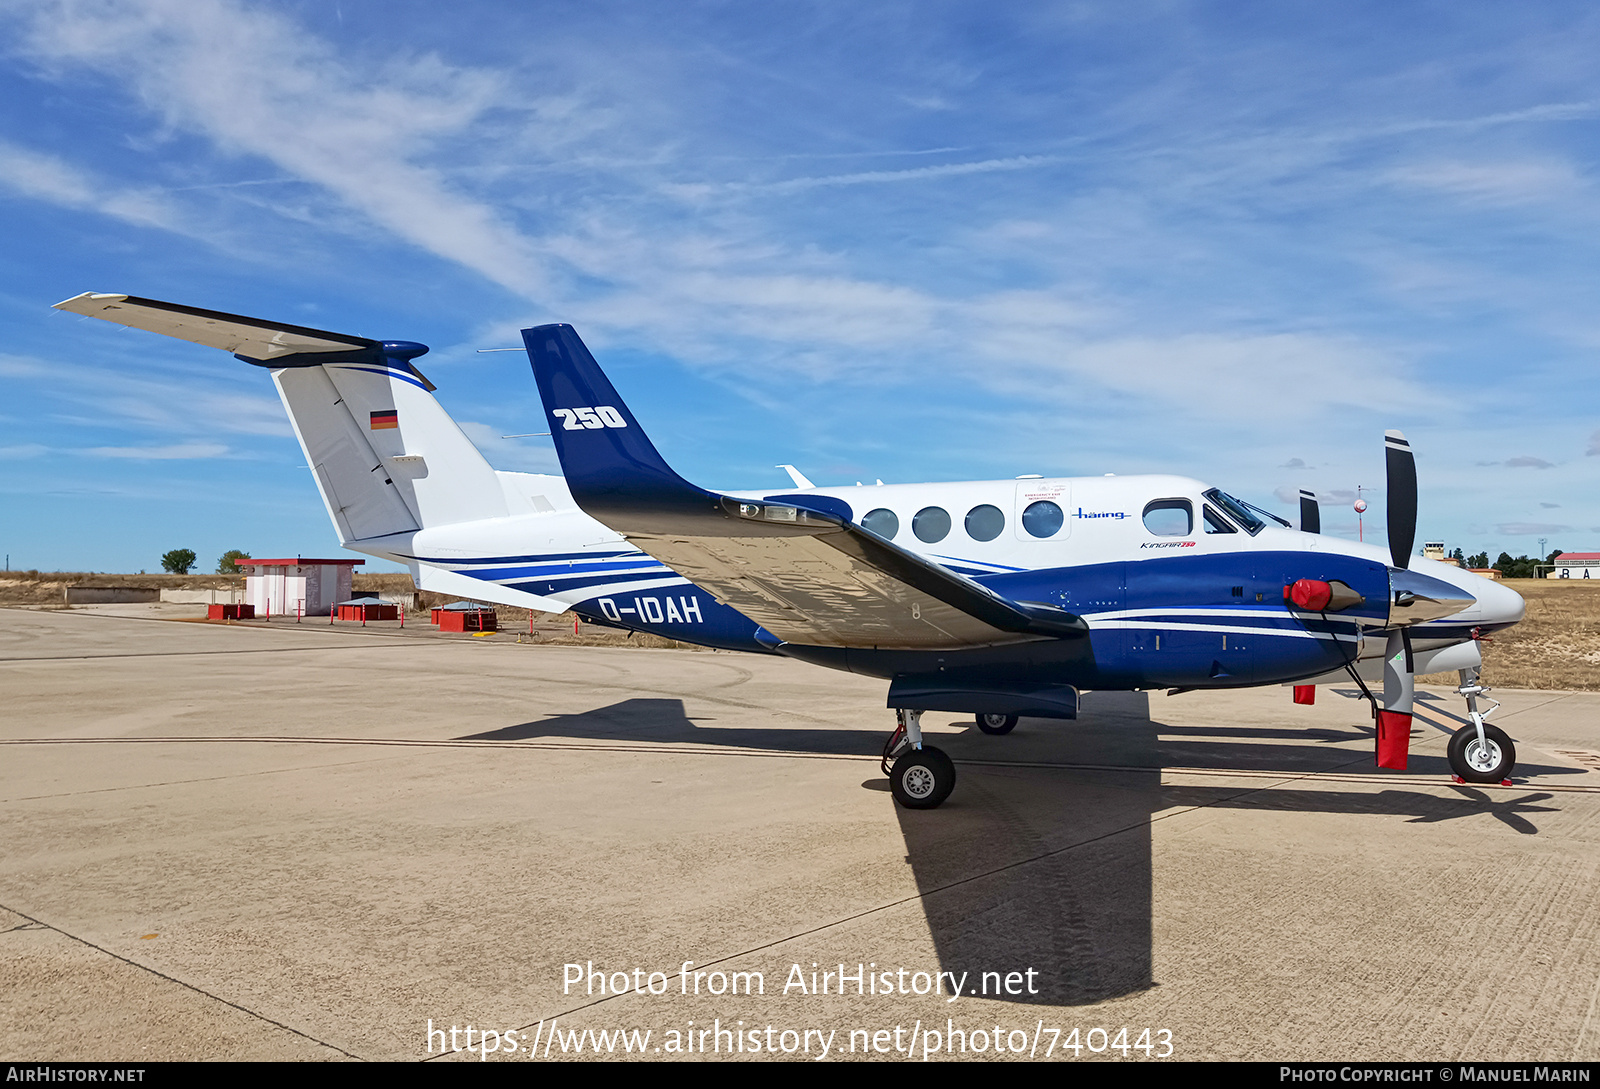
(304, 842)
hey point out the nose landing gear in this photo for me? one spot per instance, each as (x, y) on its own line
(920, 776)
(1480, 753)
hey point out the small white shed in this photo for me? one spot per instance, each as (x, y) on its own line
(296, 587)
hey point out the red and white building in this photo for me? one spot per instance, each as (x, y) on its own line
(296, 587)
(1575, 565)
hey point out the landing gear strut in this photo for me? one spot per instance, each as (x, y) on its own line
(1480, 753)
(920, 776)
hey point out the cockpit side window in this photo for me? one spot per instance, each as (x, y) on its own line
(1169, 517)
(1216, 523)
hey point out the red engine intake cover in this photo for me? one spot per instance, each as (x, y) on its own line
(1312, 595)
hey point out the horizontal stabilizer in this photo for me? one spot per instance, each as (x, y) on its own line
(386, 457)
(253, 338)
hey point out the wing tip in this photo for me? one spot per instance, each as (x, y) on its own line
(86, 298)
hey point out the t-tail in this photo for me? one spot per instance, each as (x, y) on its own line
(399, 478)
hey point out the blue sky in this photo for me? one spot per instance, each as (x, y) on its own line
(900, 241)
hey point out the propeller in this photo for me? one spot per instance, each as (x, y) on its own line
(1310, 513)
(1401, 466)
(1399, 673)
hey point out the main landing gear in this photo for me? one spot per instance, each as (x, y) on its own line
(1480, 753)
(997, 724)
(920, 776)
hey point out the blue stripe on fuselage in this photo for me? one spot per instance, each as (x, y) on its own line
(543, 557)
(496, 574)
(546, 586)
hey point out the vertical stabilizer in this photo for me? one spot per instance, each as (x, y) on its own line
(387, 458)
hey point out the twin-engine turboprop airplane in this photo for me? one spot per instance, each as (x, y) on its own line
(998, 599)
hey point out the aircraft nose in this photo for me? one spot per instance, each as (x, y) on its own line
(1498, 603)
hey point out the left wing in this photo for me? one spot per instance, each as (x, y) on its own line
(795, 564)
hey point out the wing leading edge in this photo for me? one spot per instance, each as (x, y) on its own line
(797, 565)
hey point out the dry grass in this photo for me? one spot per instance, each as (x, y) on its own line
(48, 587)
(1556, 646)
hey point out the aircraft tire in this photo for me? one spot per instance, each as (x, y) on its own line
(1480, 764)
(997, 724)
(922, 778)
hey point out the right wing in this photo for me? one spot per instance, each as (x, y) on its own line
(795, 564)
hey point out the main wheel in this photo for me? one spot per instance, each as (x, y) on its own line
(922, 778)
(1487, 762)
(997, 724)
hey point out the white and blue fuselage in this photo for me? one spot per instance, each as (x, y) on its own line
(1179, 589)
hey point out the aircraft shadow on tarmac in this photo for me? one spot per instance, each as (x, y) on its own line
(665, 721)
(1049, 867)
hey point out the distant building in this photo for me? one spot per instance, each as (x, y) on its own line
(1575, 565)
(1486, 572)
(1434, 550)
(297, 587)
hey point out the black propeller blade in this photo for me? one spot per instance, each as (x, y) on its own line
(1402, 469)
(1310, 513)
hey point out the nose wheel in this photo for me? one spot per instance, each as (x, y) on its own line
(1480, 753)
(920, 776)
(1488, 759)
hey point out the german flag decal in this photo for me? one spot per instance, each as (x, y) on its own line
(385, 418)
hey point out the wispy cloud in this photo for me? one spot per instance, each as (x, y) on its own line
(724, 293)
(134, 397)
(353, 131)
(1503, 183)
(1209, 372)
(1333, 497)
(883, 177)
(180, 451)
(51, 179)
(1530, 529)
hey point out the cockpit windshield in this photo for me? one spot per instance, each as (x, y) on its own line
(1238, 511)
